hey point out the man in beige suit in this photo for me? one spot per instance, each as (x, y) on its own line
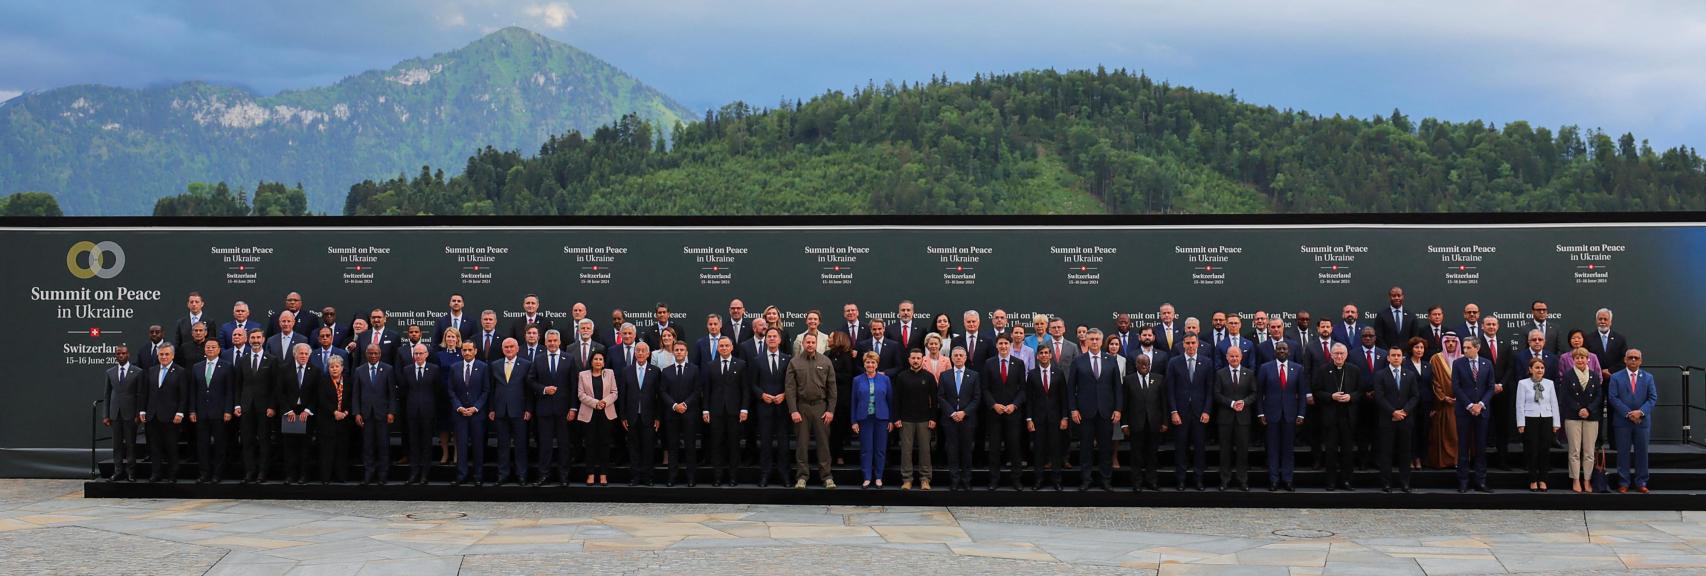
(810, 392)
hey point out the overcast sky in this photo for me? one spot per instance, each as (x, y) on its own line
(1636, 65)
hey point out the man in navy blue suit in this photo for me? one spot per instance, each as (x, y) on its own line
(1633, 394)
(325, 350)
(511, 408)
(1235, 339)
(211, 400)
(1396, 394)
(1094, 402)
(1284, 391)
(422, 388)
(455, 319)
(1472, 383)
(1349, 329)
(1394, 325)
(375, 410)
(468, 400)
(959, 394)
(553, 383)
(1188, 377)
(890, 354)
(638, 407)
(239, 319)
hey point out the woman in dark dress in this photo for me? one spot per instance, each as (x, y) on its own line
(841, 357)
(446, 358)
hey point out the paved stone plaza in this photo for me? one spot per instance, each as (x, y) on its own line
(47, 527)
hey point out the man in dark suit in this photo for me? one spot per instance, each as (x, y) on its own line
(639, 408)
(465, 326)
(622, 354)
(1235, 339)
(326, 350)
(530, 316)
(1148, 346)
(1301, 331)
(1338, 389)
(1168, 334)
(1189, 377)
(257, 395)
(412, 335)
(375, 406)
(239, 319)
(1470, 329)
(378, 334)
(1095, 401)
(705, 348)
(421, 390)
(211, 401)
(1004, 393)
(554, 382)
(1234, 400)
(510, 408)
(1349, 328)
(889, 352)
(488, 343)
(181, 333)
(297, 381)
(907, 330)
(125, 399)
(1633, 394)
(582, 349)
(725, 390)
(1046, 416)
(282, 344)
(1540, 319)
(1609, 345)
(1536, 349)
(1283, 387)
(468, 398)
(851, 325)
(769, 383)
(149, 352)
(304, 321)
(753, 348)
(979, 344)
(678, 393)
(612, 336)
(1433, 331)
(342, 332)
(1502, 355)
(1124, 332)
(1366, 358)
(738, 327)
(1276, 334)
(1472, 383)
(167, 400)
(199, 337)
(959, 395)
(1141, 418)
(1395, 325)
(1396, 394)
(661, 323)
(1317, 349)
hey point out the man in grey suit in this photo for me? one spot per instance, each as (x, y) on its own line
(1064, 351)
(1234, 400)
(124, 383)
(810, 391)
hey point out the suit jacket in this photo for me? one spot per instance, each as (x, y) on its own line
(467, 386)
(1519, 366)
(1331, 379)
(861, 330)
(966, 398)
(975, 357)
(1644, 397)
(189, 353)
(1389, 333)
(1265, 350)
(294, 396)
(227, 328)
(1610, 358)
(388, 343)
(1068, 351)
(468, 322)
(508, 397)
(148, 354)
(327, 399)
(704, 350)
(276, 346)
(1350, 339)
(1145, 401)
(1473, 386)
(1163, 342)
(913, 339)
(163, 399)
(181, 332)
(342, 333)
(1314, 360)
(1227, 391)
(889, 359)
(883, 401)
(307, 322)
(1391, 395)
(725, 393)
(1288, 402)
(1436, 344)
(1094, 395)
(212, 398)
(1553, 343)
(405, 354)
(611, 392)
(680, 389)
(1572, 396)
(125, 396)
(1158, 358)
(999, 391)
(744, 331)
(518, 328)
(375, 391)
(1246, 346)
(616, 357)
(487, 354)
(566, 378)
(573, 349)
(1189, 393)
(1357, 356)
(653, 336)
(766, 381)
(421, 394)
(1046, 407)
(640, 396)
(810, 384)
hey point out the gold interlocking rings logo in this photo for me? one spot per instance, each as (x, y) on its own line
(105, 259)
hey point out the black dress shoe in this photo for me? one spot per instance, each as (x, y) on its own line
(1107, 486)
(1199, 486)
(1462, 489)
(993, 487)
(1406, 489)
(1332, 488)
(1273, 487)
(1179, 488)
(691, 484)
(1290, 487)
(1057, 487)
(1347, 487)
(1386, 489)
(479, 484)
(1243, 486)
(1037, 487)
(1483, 489)
(1084, 487)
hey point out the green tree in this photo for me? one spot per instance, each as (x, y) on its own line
(30, 204)
(203, 199)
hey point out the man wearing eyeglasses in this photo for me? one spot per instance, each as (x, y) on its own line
(1633, 395)
(1539, 319)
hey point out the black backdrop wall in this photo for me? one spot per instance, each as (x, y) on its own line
(64, 311)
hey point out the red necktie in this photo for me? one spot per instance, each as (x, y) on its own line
(1632, 383)
(375, 337)
(1282, 377)
(1045, 381)
(1370, 354)
(905, 335)
(1003, 371)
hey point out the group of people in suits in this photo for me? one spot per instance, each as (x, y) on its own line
(1390, 391)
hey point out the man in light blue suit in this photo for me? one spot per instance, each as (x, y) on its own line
(1633, 394)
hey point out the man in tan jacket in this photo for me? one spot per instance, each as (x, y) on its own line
(811, 403)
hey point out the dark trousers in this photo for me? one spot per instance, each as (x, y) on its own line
(1471, 447)
(470, 445)
(725, 444)
(1366, 430)
(254, 431)
(1395, 444)
(1234, 451)
(421, 429)
(642, 449)
(1096, 438)
(553, 446)
(957, 441)
(772, 441)
(1190, 447)
(1048, 448)
(1537, 445)
(681, 438)
(162, 447)
(1001, 432)
(1338, 442)
(297, 453)
(1503, 426)
(334, 448)
(375, 449)
(124, 447)
(1145, 457)
(1282, 434)
(210, 442)
(512, 448)
(598, 444)
(1315, 435)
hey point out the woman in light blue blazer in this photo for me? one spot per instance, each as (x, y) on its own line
(872, 405)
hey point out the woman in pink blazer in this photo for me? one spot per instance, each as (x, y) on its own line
(598, 410)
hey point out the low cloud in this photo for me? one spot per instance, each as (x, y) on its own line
(554, 15)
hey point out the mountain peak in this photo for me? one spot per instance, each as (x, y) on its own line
(514, 35)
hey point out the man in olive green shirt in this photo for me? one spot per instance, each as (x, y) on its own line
(810, 392)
